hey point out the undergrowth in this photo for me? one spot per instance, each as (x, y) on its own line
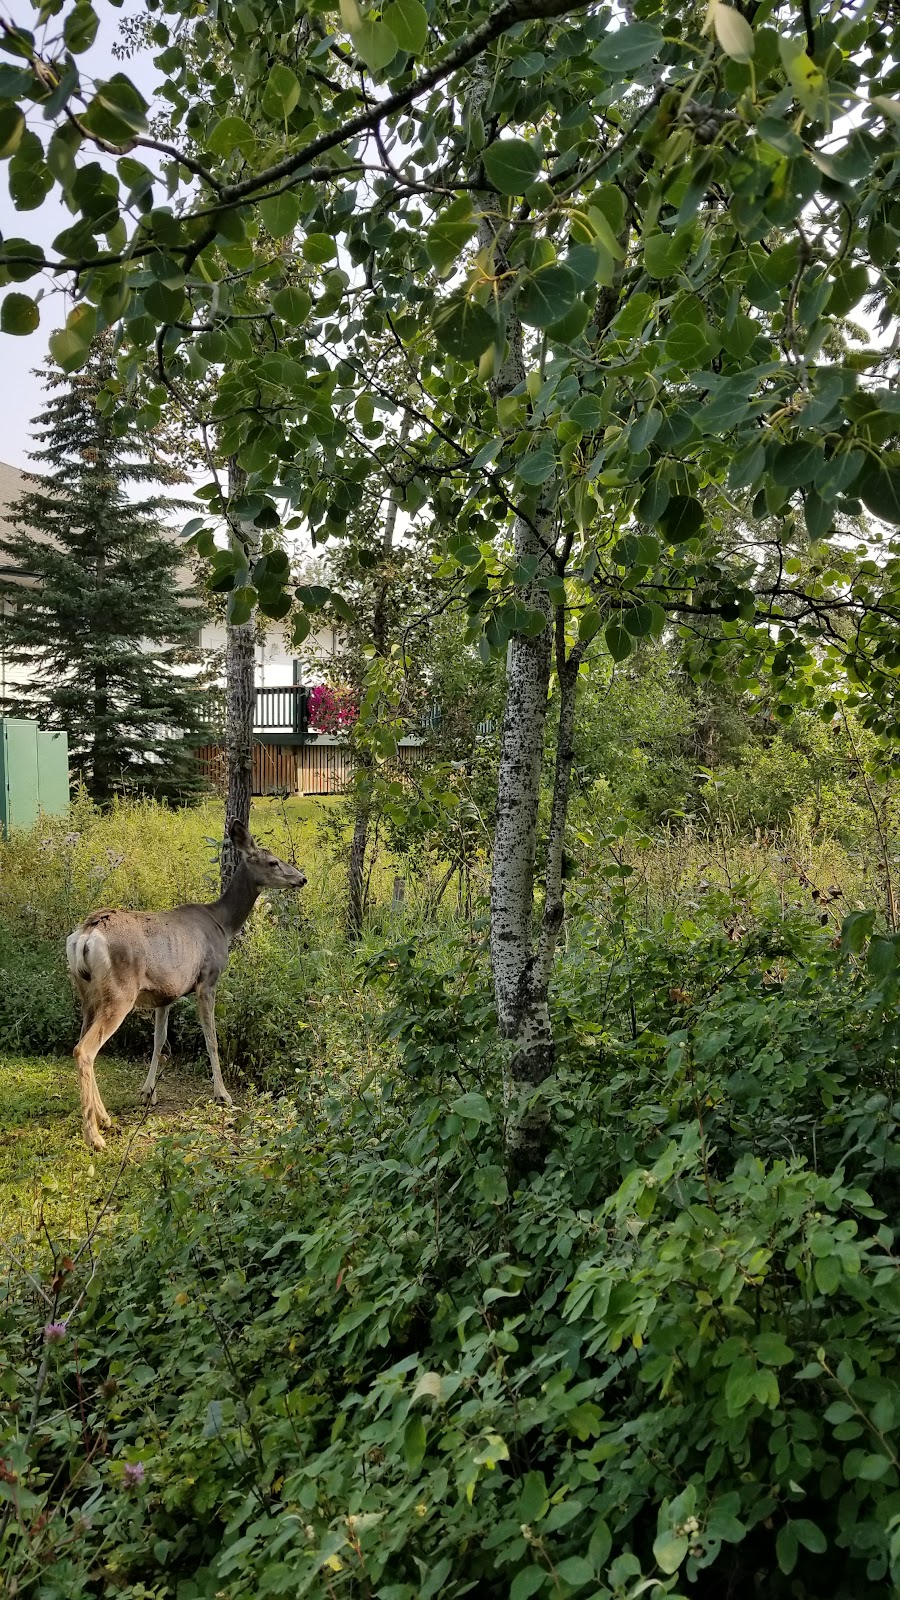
(338, 1356)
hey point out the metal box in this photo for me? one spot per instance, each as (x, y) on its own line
(34, 773)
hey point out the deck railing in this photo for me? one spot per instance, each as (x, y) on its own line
(285, 710)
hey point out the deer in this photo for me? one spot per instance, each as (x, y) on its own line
(121, 961)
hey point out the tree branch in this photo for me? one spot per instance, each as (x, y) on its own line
(506, 16)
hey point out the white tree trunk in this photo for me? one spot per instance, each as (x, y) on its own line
(240, 673)
(356, 873)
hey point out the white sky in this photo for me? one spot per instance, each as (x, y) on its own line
(21, 393)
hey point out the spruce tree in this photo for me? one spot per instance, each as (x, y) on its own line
(106, 618)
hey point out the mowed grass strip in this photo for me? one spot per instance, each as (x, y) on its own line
(50, 1182)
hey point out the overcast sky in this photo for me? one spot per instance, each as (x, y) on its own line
(21, 394)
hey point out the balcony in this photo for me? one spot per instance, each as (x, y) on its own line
(281, 712)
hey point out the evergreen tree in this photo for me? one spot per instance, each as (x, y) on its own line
(106, 618)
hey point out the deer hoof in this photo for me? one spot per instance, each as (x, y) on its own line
(95, 1138)
(222, 1097)
(149, 1097)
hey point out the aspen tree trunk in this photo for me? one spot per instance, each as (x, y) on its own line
(521, 954)
(356, 876)
(240, 663)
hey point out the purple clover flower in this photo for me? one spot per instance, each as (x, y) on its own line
(134, 1473)
(55, 1332)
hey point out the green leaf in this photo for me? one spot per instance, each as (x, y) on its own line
(669, 1550)
(527, 1582)
(640, 621)
(446, 239)
(629, 47)
(855, 930)
(275, 606)
(512, 165)
(772, 1349)
(851, 283)
(117, 111)
(810, 1536)
(318, 248)
(408, 22)
(537, 466)
(733, 32)
(879, 489)
(230, 134)
(682, 519)
(463, 328)
(587, 412)
(491, 1183)
(375, 44)
(473, 1107)
(618, 641)
(546, 296)
(873, 1467)
(572, 325)
(740, 1387)
(12, 127)
(881, 958)
(590, 624)
(80, 28)
(688, 343)
(827, 1273)
(18, 314)
(576, 1570)
(666, 253)
(534, 1500)
(67, 350)
(313, 596)
(240, 606)
(798, 463)
(292, 304)
(414, 1437)
(281, 93)
(787, 1548)
(280, 214)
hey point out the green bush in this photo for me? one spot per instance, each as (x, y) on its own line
(37, 1009)
(339, 1357)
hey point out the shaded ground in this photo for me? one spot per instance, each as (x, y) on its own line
(49, 1179)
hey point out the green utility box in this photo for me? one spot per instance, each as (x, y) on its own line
(34, 773)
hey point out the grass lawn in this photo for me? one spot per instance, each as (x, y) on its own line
(49, 1179)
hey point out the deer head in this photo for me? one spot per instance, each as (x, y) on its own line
(266, 870)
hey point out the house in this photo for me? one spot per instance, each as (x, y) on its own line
(288, 754)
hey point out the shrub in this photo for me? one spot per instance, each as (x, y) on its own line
(37, 1010)
(350, 1362)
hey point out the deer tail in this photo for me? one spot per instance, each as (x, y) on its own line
(87, 954)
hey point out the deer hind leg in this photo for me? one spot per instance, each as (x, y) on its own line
(206, 1005)
(160, 1029)
(96, 1028)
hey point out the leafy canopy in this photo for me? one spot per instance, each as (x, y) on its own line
(672, 217)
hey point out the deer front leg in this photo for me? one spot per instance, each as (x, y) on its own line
(160, 1030)
(206, 1005)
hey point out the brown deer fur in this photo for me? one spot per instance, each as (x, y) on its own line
(123, 960)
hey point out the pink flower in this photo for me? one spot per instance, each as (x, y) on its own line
(134, 1473)
(55, 1332)
(331, 710)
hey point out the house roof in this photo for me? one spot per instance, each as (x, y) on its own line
(13, 484)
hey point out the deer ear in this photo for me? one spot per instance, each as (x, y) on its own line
(240, 837)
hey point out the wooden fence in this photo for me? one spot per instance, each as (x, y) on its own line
(296, 769)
